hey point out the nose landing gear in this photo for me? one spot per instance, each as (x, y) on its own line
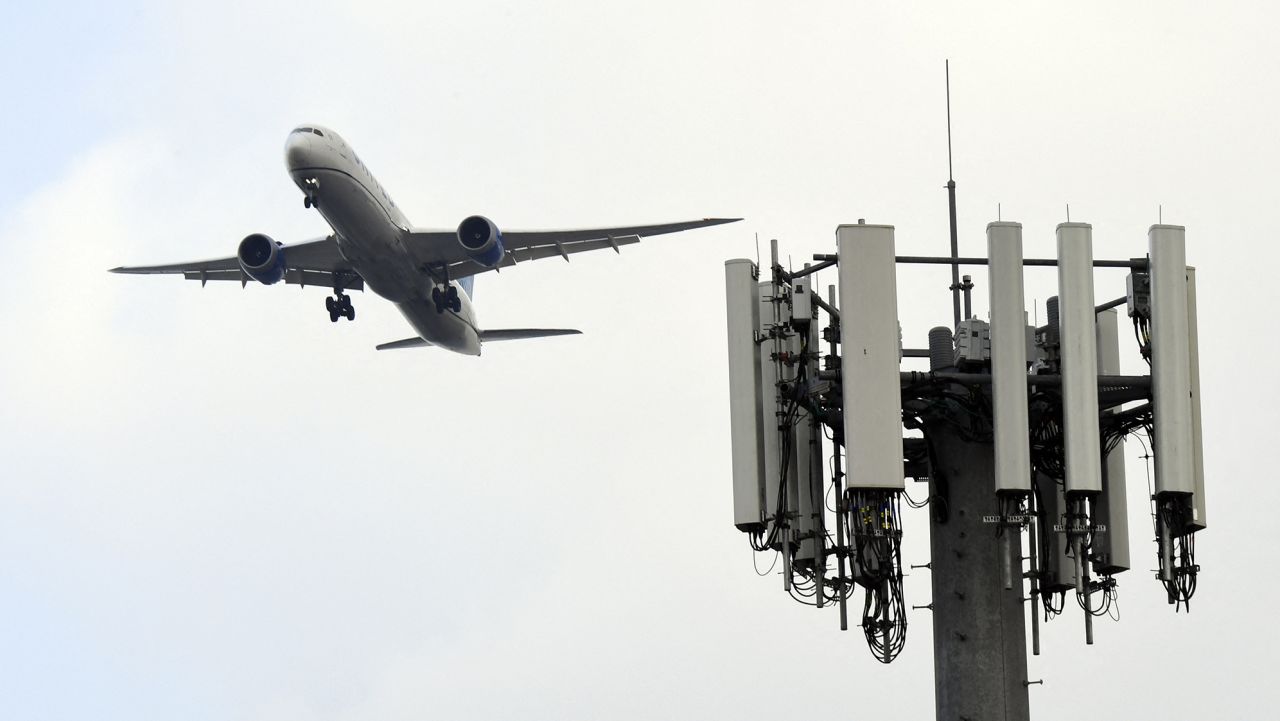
(340, 306)
(448, 300)
(310, 187)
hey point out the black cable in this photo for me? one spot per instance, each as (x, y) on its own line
(769, 569)
(877, 541)
(916, 504)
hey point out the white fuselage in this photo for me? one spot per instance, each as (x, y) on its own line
(370, 232)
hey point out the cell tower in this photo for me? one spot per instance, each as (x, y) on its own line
(1017, 431)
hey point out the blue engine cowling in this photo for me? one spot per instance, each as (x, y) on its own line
(482, 240)
(261, 258)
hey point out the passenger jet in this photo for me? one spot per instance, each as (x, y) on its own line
(428, 274)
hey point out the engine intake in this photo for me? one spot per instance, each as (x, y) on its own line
(261, 258)
(482, 240)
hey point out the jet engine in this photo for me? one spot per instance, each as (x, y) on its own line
(482, 240)
(261, 258)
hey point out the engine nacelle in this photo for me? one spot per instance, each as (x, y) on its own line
(261, 258)
(482, 240)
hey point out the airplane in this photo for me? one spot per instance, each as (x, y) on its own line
(427, 274)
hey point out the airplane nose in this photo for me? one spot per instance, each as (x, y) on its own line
(297, 151)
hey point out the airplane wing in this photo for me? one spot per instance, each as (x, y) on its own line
(314, 262)
(441, 247)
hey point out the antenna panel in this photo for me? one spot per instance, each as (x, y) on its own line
(1081, 451)
(742, 303)
(1111, 510)
(1198, 517)
(771, 446)
(1171, 361)
(1059, 568)
(800, 483)
(807, 467)
(1008, 358)
(869, 340)
(799, 433)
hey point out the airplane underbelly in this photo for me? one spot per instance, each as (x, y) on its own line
(452, 331)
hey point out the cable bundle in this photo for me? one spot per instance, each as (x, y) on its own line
(876, 532)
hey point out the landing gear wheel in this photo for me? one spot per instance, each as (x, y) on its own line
(306, 201)
(340, 306)
(448, 300)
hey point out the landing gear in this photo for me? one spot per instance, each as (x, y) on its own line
(310, 187)
(340, 306)
(448, 300)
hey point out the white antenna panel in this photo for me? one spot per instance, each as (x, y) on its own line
(1171, 361)
(1112, 544)
(745, 394)
(869, 342)
(1059, 569)
(1081, 451)
(810, 478)
(771, 444)
(1198, 518)
(799, 500)
(1008, 358)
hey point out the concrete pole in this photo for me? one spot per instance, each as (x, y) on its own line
(979, 634)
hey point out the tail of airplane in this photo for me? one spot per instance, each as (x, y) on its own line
(487, 336)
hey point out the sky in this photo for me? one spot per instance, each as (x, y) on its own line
(215, 504)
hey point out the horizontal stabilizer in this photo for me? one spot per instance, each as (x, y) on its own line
(406, 343)
(521, 333)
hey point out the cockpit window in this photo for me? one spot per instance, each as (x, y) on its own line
(307, 130)
(317, 132)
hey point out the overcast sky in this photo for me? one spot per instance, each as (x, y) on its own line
(215, 504)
